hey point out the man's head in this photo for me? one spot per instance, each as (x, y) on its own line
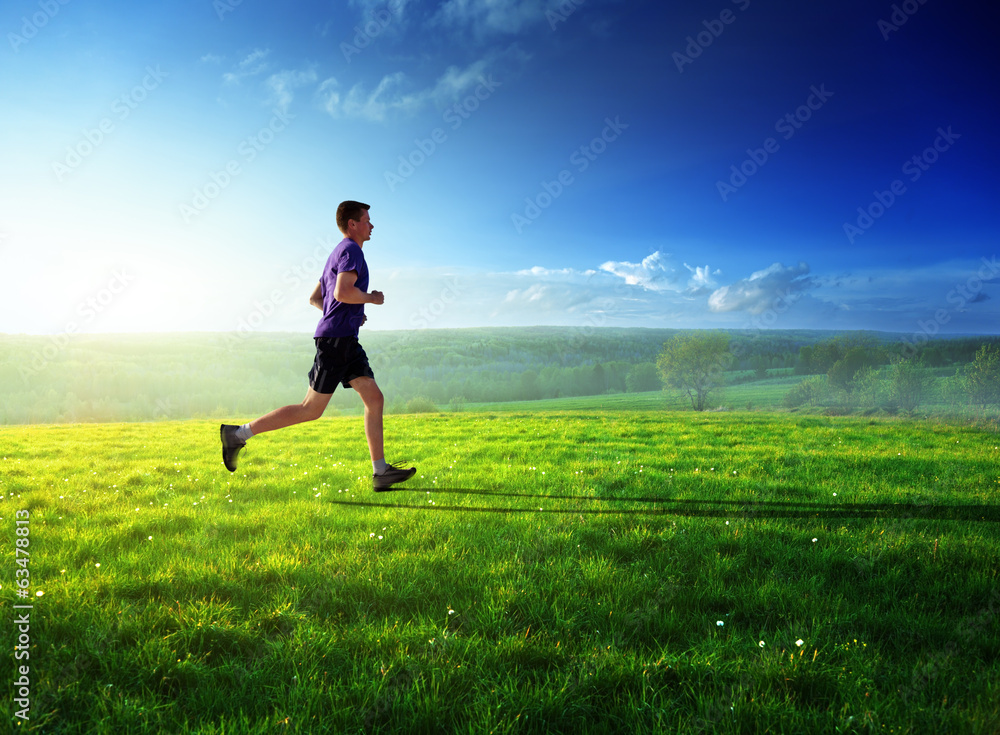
(354, 222)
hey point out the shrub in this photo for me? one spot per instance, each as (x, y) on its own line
(420, 404)
(806, 392)
(870, 387)
(907, 381)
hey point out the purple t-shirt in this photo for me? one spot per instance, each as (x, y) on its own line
(339, 319)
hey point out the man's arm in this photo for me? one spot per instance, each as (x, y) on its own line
(346, 292)
(317, 297)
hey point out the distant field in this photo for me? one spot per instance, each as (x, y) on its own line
(155, 377)
(760, 394)
(546, 571)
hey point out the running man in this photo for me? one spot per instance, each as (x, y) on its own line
(341, 295)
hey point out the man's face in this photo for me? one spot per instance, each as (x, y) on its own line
(361, 230)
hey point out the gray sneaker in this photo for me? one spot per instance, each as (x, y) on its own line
(231, 446)
(391, 476)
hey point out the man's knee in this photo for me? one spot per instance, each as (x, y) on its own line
(370, 393)
(314, 411)
(314, 405)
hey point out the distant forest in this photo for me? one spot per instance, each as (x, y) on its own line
(52, 379)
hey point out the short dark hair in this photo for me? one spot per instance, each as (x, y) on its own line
(350, 210)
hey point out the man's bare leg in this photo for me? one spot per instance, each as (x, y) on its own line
(234, 438)
(311, 408)
(385, 475)
(374, 402)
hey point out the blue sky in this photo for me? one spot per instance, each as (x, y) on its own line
(741, 163)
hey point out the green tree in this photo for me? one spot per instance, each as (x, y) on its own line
(807, 392)
(803, 366)
(842, 372)
(982, 377)
(694, 363)
(760, 365)
(643, 377)
(530, 390)
(908, 381)
(871, 388)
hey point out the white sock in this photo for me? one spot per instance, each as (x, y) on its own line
(379, 466)
(243, 433)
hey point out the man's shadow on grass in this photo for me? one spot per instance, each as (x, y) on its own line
(698, 508)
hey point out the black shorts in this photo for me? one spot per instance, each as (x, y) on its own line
(338, 360)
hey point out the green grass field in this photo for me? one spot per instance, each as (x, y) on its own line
(552, 571)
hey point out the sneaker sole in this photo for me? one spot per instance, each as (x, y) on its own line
(391, 486)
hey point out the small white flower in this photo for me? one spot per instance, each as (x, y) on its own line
(150, 538)
(799, 642)
(761, 644)
(39, 593)
(814, 540)
(719, 623)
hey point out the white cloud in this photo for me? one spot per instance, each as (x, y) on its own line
(762, 290)
(378, 9)
(283, 84)
(539, 272)
(211, 59)
(394, 94)
(657, 273)
(387, 97)
(701, 278)
(251, 65)
(494, 16)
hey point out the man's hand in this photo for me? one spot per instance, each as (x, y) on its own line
(316, 298)
(346, 292)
